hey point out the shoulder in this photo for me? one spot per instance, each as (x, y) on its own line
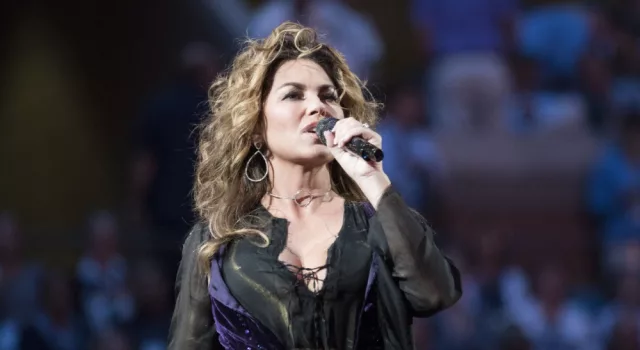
(199, 232)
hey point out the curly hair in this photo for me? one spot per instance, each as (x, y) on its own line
(224, 198)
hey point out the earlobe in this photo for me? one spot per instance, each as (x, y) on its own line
(258, 139)
(260, 144)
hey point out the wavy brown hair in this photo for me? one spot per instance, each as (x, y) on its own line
(224, 198)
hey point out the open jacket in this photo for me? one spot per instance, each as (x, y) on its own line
(408, 277)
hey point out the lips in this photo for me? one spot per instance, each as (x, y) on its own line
(311, 128)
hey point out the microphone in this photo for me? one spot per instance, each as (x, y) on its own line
(356, 145)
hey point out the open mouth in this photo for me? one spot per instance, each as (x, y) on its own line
(311, 128)
(312, 134)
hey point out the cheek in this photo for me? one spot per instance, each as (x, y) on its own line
(281, 120)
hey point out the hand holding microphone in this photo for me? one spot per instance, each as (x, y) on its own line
(357, 149)
(355, 144)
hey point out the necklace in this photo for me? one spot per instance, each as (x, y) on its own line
(303, 197)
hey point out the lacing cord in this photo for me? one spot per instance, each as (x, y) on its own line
(309, 276)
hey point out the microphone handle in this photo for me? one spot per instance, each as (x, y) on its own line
(364, 149)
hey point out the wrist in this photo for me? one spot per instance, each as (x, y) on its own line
(374, 186)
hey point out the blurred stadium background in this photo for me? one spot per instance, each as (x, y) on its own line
(520, 130)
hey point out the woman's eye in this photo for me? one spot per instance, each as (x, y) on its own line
(292, 95)
(330, 97)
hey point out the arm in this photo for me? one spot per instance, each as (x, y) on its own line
(428, 279)
(192, 324)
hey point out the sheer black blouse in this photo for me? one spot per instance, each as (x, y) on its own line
(277, 295)
(382, 270)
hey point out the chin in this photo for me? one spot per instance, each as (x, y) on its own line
(317, 155)
(321, 151)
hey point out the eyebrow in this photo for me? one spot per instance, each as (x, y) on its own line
(302, 86)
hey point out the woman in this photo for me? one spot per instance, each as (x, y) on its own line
(302, 245)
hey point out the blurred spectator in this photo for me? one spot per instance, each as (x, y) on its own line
(102, 274)
(112, 340)
(150, 326)
(466, 40)
(550, 320)
(349, 31)
(488, 269)
(614, 189)
(412, 159)
(625, 337)
(58, 325)
(500, 287)
(630, 263)
(514, 339)
(459, 327)
(624, 16)
(524, 108)
(557, 36)
(534, 109)
(482, 319)
(164, 161)
(10, 331)
(620, 321)
(19, 279)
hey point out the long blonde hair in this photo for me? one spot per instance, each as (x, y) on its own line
(223, 196)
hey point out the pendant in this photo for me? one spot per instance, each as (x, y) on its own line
(302, 198)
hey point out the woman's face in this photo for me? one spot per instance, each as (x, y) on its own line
(300, 95)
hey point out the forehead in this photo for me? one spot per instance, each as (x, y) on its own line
(303, 71)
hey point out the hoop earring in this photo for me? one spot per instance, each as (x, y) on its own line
(258, 151)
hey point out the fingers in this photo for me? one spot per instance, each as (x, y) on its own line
(346, 129)
(347, 135)
(330, 138)
(335, 150)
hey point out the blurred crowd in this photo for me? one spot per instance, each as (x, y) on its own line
(491, 67)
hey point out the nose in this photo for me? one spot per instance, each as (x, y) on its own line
(316, 107)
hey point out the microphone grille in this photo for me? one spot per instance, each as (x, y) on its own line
(325, 124)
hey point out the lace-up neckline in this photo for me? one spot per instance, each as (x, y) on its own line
(286, 297)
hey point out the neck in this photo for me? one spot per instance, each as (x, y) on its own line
(287, 179)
